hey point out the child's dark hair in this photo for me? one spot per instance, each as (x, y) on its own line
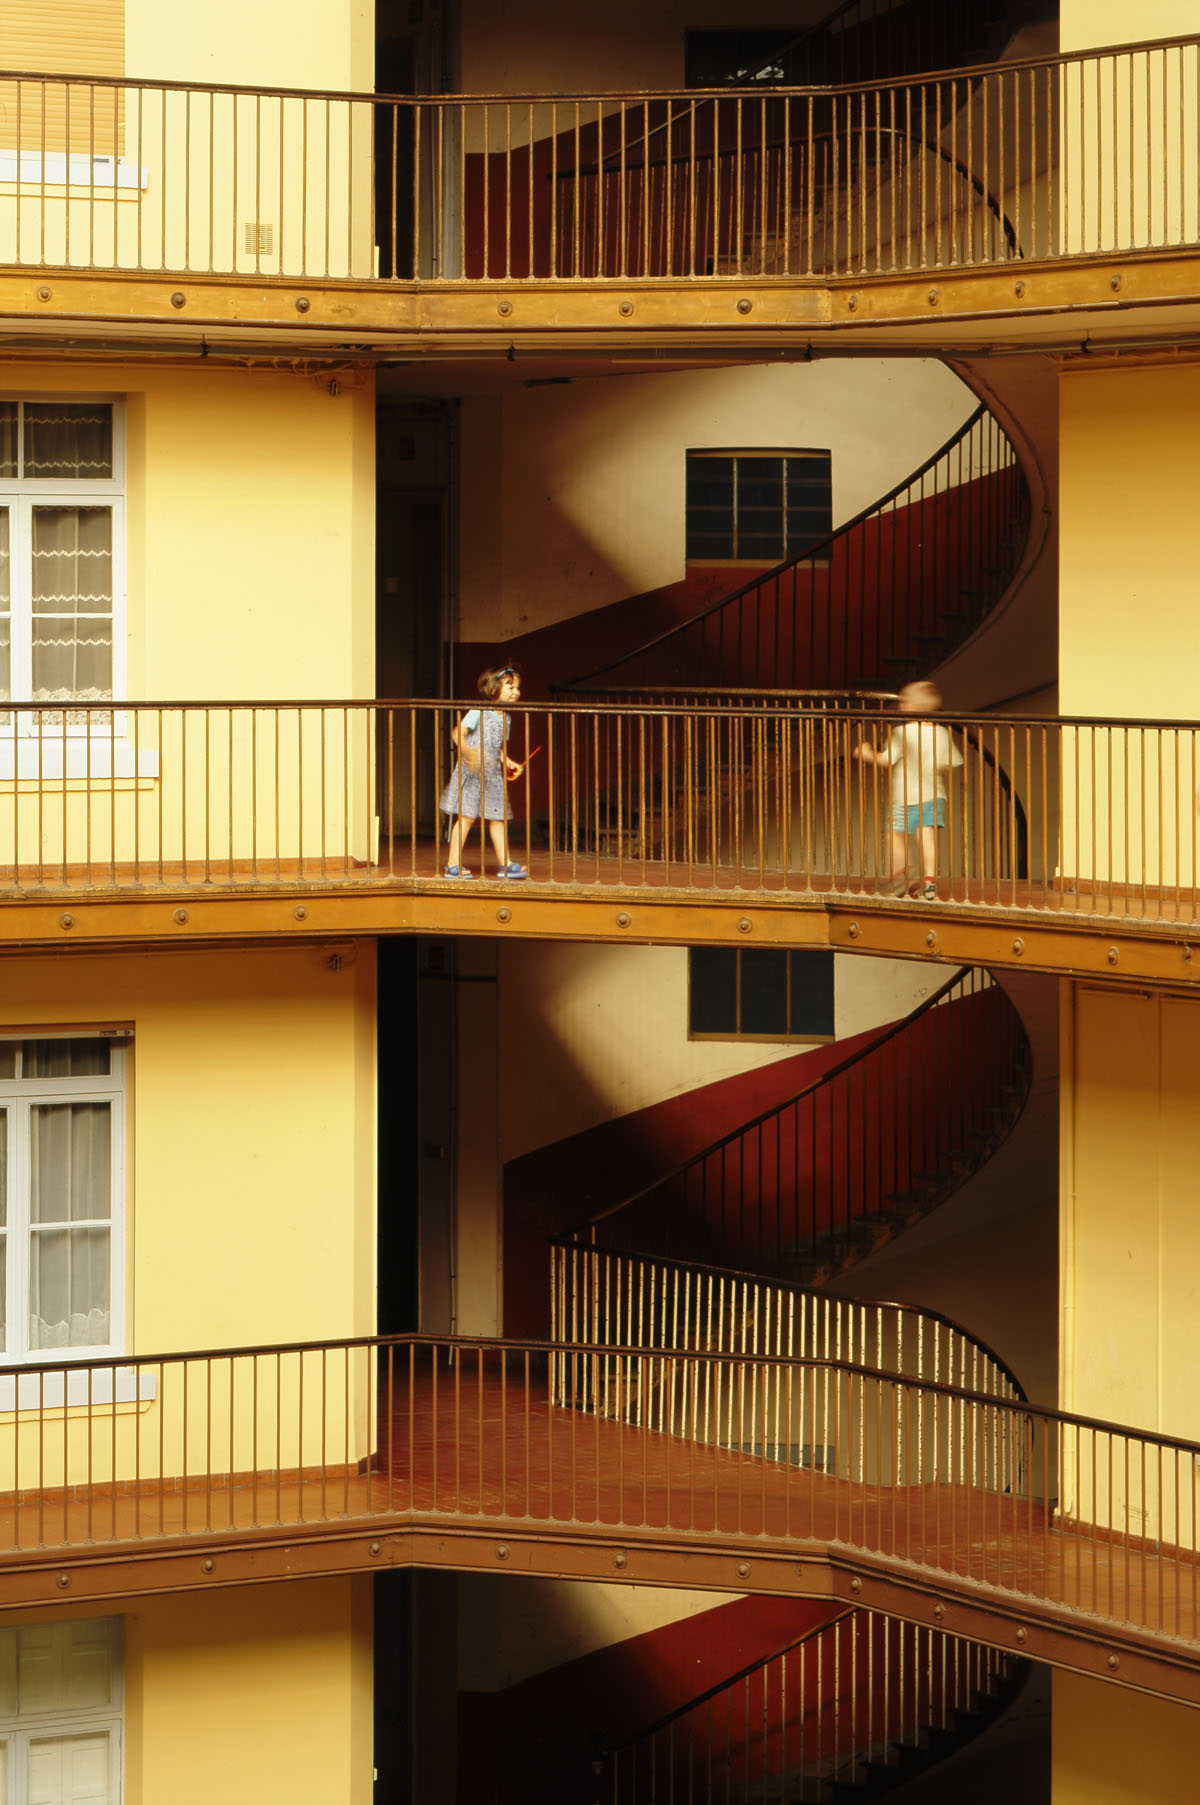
(491, 682)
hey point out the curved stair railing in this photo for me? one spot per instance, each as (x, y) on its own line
(806, 1188)
(886, 595)
(845, 1713)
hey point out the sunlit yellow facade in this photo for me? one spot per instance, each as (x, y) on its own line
(324, 489)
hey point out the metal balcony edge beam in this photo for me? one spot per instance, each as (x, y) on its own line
(1037, 300)
(1041, 1632)
(1161, 955)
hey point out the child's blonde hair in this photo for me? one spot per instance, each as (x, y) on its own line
(925, 694)
(491, 682)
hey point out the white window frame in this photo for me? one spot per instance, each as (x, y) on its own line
(19, 1096)
(19, 1729)
(27, 749)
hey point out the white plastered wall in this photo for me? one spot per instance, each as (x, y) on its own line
(592, 1033)
(573, 495)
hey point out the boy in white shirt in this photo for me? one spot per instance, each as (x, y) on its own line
(920, 755)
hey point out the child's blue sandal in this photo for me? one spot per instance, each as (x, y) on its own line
(457, 871)
(514, 871)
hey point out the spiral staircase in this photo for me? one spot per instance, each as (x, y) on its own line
(723, 1256)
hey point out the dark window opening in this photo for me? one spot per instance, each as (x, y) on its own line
(719, 59)
(756, 507)
(760, 993)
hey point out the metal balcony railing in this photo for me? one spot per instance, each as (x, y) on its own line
(1087, 821)
(1054, 157)
(966, 1489)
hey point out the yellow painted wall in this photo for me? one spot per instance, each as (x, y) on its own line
(251, 1202)
(1131, 1233)
(1129, 454)
(1111, 1746)
(250, 523)
(250, 574)
(250, 1213)
(1128, 130)
(1085, 24)
(259, 1695)
(1130, 1254)
(574, 497)
(324, 43)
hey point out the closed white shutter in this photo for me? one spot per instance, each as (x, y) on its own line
(62, 37)
(70, 1770)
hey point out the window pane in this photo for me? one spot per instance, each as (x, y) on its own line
(764, 992)
(87, 1057)
(812, 993)
(709, 482)
(68, 439)
(68, 1288)
(760, 483)
(8, 438)
(712, 990)
(70, 1155)
(72, 560)
(8, 1058)
(764, 544)
(72, 581)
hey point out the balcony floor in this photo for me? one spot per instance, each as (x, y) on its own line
(489, 1452)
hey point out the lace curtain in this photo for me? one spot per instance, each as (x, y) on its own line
(72, 604)
(70, 1217)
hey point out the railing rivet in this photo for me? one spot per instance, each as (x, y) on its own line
(1022, 1633)
(853, 930)
(745, 304)
(743, 1569)
(933, 297)
(207, 1566)
(1113, 955)
(179, 299)
(620, 1559)
(502, 1551)
(852, 302)
(375, 1547)
(1115, 283)
(302, 303)
(44, 293)
(625, 308)
(1114, 1661)
(1018, 289)
(931, 938)
(1018, 946)
(856, 1584)
(504, 308)
(66, 921)
(503, 914)
(745, 924)
(623, 919)
(181, 916)
(64, 1579)
(300, 912)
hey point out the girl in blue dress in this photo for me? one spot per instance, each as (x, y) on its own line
(477, 789)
